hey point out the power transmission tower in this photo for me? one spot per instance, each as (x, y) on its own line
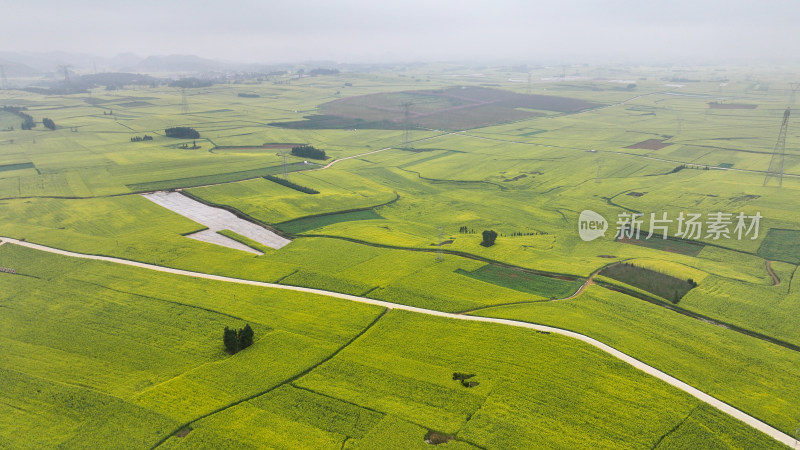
(407, 125)
(65, 68)
(795, 87)
(528, 91)
(439, 255)
(3, 79)
(285, 170)
(599, 177)
(184, 102)
(776, 163)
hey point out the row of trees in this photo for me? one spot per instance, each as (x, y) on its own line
(27, 120)
(291, 185)
(236, 340)
(308, 151)
(140, 138)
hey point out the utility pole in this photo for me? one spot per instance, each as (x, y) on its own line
(439, 255)
(184, 102)
(407, 125)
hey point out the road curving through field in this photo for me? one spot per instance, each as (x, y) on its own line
(700, 395)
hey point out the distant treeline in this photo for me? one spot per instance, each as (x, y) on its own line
(27, 120)
(182, 132)
(308, 151)
(324, 72)
(191, 82)
(291, 185)
(246, 95)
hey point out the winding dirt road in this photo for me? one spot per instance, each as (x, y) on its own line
(775, 280)
(702, 396)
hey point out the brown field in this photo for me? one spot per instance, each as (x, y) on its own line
(715, 105)
(271, 145)
(650, 144)
(454, 108)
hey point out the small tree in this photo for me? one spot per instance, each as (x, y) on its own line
(489, 236)
(236, 340)
(245, 337)
(231, 340)
(48, 123)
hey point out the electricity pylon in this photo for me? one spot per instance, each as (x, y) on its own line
(776, 163)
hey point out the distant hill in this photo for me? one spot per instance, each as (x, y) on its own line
(116, 79)
(15, 69)
(177, 63)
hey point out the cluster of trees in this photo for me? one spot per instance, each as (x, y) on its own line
(489, 236)
(463, 377)
(140, 138)
(465, 230)
(247, 95)
(289, 184)
(182, 132)
(308, 151)
(236, 340)
(49, 124)
(193, 147)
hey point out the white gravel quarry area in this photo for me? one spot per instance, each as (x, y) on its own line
(212, 237)
(216, 219)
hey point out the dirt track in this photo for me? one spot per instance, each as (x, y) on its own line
(775, 280)
(702, 396)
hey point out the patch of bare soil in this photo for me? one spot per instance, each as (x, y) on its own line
(650, 144)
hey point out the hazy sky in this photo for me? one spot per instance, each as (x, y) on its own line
(368, 31)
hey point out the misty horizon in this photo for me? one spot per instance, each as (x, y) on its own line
(356, 31)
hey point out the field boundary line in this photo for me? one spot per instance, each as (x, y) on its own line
(650, 370)
(381, 150)
(288, 381)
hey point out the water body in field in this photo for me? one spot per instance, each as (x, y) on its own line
(217, 219)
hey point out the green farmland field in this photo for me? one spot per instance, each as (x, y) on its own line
(99, 355)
